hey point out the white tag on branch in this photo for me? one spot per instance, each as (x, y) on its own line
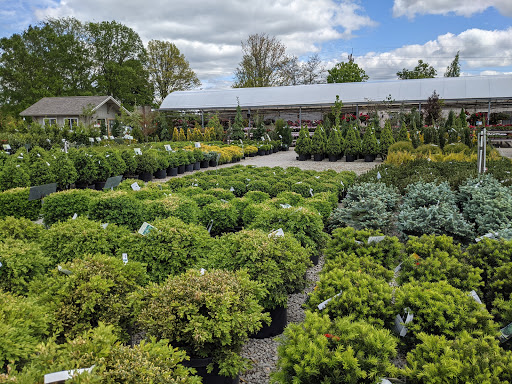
(112, 137)
(135, 186)
(506, 333)
(375, 239)
(341, 182)
(210, 226)
(61, 376)
(47, 163)
(202, 271)
(311, 192)
(276, 232)
(398, 268)
(379, 175)
(91, 139)
(322, 305)
(232, 189)
(474, 295)
(125, 258)
(1, 264)
(65, 271)
(98, 139)
(490, 235)
(197, 144)
(167, 147)
(224, 201)
(74, 216)
(145, 228)
(286, 206)
(137, 151)
(385, 381)
(104, 225)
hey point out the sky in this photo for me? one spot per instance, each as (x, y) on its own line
(384, 36)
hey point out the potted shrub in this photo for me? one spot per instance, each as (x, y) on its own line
(182, 159)
(333, 148)
(104, 170)
(209, 314)
(318, 144)
(198, 157)
(303, 145)
(86, 167)
(213, 158)
(352, 145)
(205, 162)
(172, 170)
(130, 159)
(146, 166)
(189, 166)
(386, 139)
(370, 146)
(162, 161)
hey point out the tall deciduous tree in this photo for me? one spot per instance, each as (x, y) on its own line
(453, 70)
(169, 70)
(348, 72)
(264, 63)
(421, 71)
(120, 59)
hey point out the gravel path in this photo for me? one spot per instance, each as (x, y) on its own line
(263, 352)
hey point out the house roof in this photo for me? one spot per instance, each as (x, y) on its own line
(67, 106)
(477, 88)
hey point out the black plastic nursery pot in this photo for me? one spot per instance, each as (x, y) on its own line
(99, 185)
(350, 158)
(172, 171)
(303, 157)
(209, 378)
(261, 152)
(197, 165)
(146, 176)
(314, 259)
(205, 164)
(369, 158)
(213, 163)
(189, 167)
(318, 156)
(333, 158)
(276, 327)
(81, 185)
(181, 169)
(160, 174)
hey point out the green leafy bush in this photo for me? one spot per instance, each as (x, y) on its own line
(63, 169)
(303, 144)
(370, 145)
(356, 263)
(428, 149)
(63, 205)
(355, 294)
(24, 325)
(279, 263)
(14, 202)
(401, 146)
(440, 309)
(96, 289)
(288, 197)
(258, 185)
(456, 148)
(463, 360)
(170, 249)
(352, 145)
(85, 164)
(435, 258)
(207, 315)
(14, 174)
(72, 239)
(20, 229)
(222, 217)
(181, 207)
(386, 138)
(117, 207)
(366, 206)
(318, 141)
(321, 350)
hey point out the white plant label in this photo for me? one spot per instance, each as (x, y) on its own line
(145, 228)
(7, 147)
(322, 305)
(210, 226)
(202, 271)
(137, 151)
(91, 139)
(474, 295)
(74, 216)
(125, 258)
(398, 268)
(311, 192)
(379, 176)
(1, 264)
(232, 189)
(111, 137)
(277, 233)
(57, 377)
(65, 271)
(375, 239)
(506, 333)
(98, 139)
(104, 225)
(341, 182)
(105, 137)
(167, 147)
(286, 206)
(135, 186)
(197, 144)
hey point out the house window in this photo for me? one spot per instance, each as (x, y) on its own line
(71, 122)
(100, 122)
(50, 121)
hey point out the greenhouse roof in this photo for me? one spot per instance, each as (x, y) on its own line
(450, 89)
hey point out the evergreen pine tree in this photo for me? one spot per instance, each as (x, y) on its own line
(386, 138)
(370, 145)
(402, 134)
(333, 147)
(318, 141)
(175, 134)
(352, 144)
(303, 143)
(237, 129)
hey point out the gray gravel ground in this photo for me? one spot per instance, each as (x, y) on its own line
(263, 352)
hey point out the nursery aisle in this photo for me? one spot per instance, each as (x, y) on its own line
(263, 352)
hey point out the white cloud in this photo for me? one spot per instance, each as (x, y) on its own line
(209, 33)
(411, 8)
(479, 50)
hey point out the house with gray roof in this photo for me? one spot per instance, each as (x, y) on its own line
(70, 110)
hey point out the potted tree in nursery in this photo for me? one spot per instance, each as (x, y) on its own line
(172, 170)
(189, 165)
(162, 161)
(303, 144)
(386, 139)
(146, 166)
(198, 157)
(318, 144)
(213, 158)
(86, 167)
(370, 145)
(333, 148)
(205, 162)
(209, 314)
(182, 160)
(352, 145)
(104, 170)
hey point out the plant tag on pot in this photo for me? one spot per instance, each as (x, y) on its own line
(135, 186)
(277, 233)
(104, 225)
(145, 228)
(210, 226)
(311, 192)
(399, 328)
(506, 333)
(105, 137)
(378, 175)
(375, 239)
(202, 271)
(98, 139)
(322, 305)
(232, 189)
(286, 206)
(167, 147)
(91, 139)
(6, 147)
(65, 271)
(74, 216)
(125, 258)
(112, 137)
(474, 295)
(137, 151)
(197, 144)
(398, 268)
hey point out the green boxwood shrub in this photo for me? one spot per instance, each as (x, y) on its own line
(207, 315)
(97, 289)
(257, 197)
(63, 205)
(401, 146)
(223, 217)
(289, 197)
(463, 360)
(356, 263)
(202, 199)
(72, 239)
(170, 249)
(21, 263)
(363, 297)
(181, 207)
(14, 202)
(323, 350)
(258, 185)
(440, 309)
(20, 229)
(456, 148)
(85, 165)
(24, 325)
(117, 207)
(428, 149)
(63, 169)
(14, 174)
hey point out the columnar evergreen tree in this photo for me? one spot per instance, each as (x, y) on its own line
(333, 147)
(318, 141)
(237, 129)
(386, 138)
(370, 144)
(402, 134)
(303, 144)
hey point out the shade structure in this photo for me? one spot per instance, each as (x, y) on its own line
(453, 90)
